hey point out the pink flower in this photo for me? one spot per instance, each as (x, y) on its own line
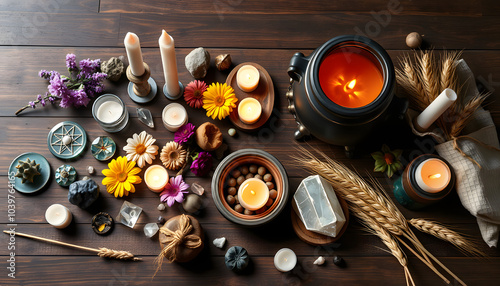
(184, 133)
(174, 191)
(193, 93)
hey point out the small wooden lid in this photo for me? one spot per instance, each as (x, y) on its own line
(184, 254)
(314, 238)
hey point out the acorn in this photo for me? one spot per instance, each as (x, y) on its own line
(414, 40)
(223, 62)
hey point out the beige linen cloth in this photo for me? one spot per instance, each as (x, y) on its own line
(478, 188)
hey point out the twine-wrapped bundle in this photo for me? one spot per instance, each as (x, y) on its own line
(181, 239)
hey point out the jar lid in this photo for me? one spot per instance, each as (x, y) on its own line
(102, 223)
(67, 140)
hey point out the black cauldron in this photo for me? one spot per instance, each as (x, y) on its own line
(316, 114)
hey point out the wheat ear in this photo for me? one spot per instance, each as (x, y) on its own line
(442, 232)
(429, 75)
(465, 114)
(116, 254)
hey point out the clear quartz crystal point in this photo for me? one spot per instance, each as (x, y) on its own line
(318, 206)
(145, 117)
(197, 189)
(129, 214)
(150, 229)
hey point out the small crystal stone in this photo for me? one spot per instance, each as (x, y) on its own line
(67, 140)
(91, 170)
(129, 214)
(231, 132)
(145, 117)
(161, 220)
(219, 242)
(150, 229)
(319, 261)
(161, 207)
(197, 189)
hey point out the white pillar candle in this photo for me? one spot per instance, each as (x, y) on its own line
(433, 175)
(435, 109)
(285, 260)
(58, 216)
(134, 54)
(174, 116)
(109, 111)
(247, 78)
(167, 50)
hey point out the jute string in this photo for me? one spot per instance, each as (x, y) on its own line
(456, 147)
(175, 239)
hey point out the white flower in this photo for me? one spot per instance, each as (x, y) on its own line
(140, 149)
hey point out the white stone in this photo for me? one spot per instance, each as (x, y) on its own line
(219, 242)
(231, 132)
(150, 229)
(318, 206)
(161, 207)
(66, 140)
(319, 261)
(91, 170)
(197, 62)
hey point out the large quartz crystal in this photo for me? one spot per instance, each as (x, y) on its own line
(318, 206)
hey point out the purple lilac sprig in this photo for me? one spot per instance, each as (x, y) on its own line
(83, 83)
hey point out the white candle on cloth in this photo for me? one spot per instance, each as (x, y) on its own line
(58, 216)
(109, 111)
(134, 54)
(285, 260)
(174, 116)
(435, 109)
(167, 50)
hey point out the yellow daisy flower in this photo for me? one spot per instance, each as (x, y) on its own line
(219, 100)
(121, 176)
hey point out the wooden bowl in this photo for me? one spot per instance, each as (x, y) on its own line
(264, 93)
(247, 157)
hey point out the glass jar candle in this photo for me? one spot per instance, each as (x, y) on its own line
(174, 116)
(110, 112)
(426, 180)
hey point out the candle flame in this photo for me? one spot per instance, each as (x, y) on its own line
(252, 192)
(351, 84)
(435, 176)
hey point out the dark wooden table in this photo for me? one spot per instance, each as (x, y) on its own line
(37, 35)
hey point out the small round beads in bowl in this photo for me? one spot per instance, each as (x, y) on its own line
(235, 174)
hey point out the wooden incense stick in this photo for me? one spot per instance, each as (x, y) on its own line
(102, 252)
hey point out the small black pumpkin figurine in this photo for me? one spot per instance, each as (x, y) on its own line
(237, 258)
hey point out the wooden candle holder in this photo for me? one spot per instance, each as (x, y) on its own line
(141, 85)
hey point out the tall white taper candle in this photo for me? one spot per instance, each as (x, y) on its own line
(167, 50)
(134, 54)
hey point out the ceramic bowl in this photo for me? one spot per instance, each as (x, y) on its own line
(246, 157)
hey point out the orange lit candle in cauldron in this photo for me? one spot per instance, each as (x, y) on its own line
(433, 175)
(350, 79)
(253, 194)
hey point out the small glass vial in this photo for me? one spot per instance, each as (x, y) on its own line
(110, 112)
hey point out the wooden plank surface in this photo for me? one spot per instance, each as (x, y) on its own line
(38, 34)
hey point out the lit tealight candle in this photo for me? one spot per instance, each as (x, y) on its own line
(58, 216)
(253, 194)
(156, 177)
(285, 260)
(249, 110)
(109, 111)
(433, 175)
(247, 78)
(174, 116)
